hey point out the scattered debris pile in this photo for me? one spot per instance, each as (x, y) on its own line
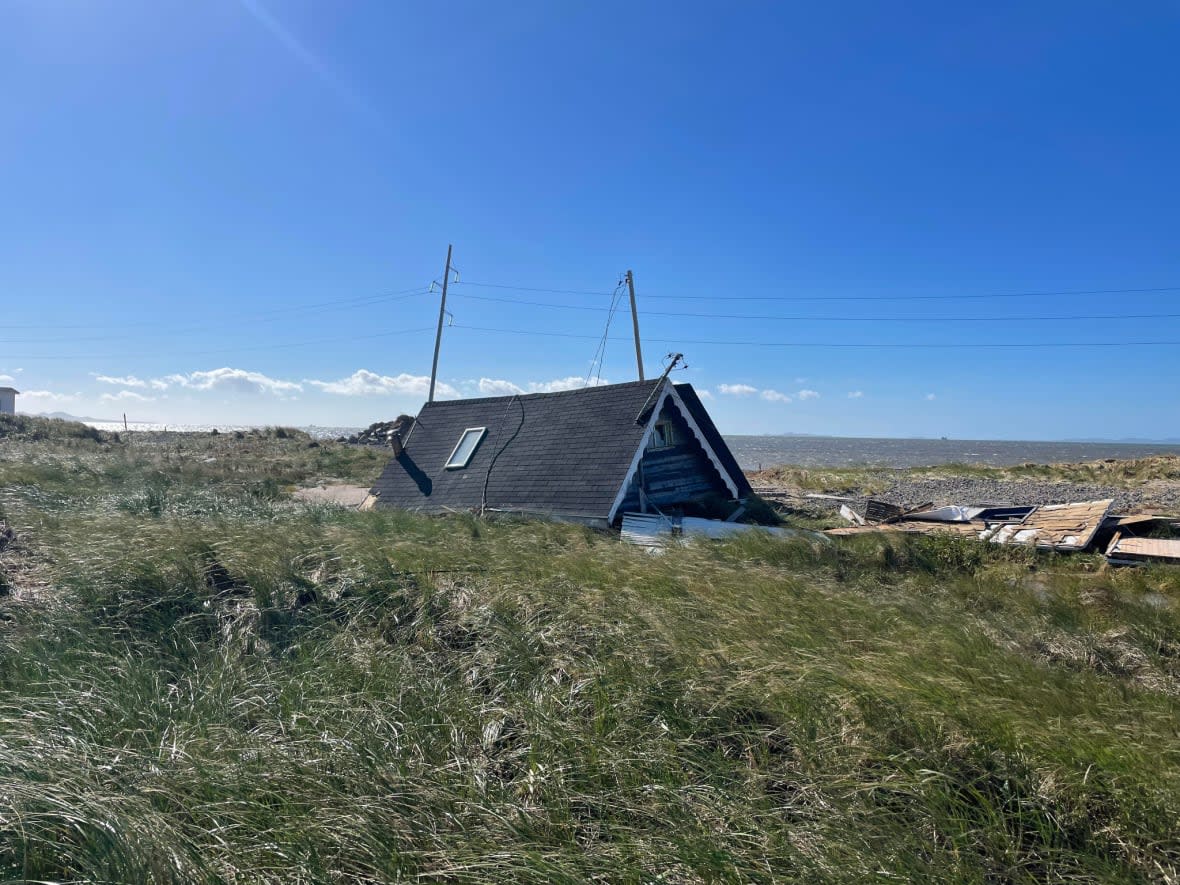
(383, 433)
(1085, 525)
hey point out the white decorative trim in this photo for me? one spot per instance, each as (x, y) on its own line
(670, 390)
(651, 424)
(684, 411)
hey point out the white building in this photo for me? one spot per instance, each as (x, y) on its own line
(8, 400)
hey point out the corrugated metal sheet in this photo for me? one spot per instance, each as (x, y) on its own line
(646, 530)
(950, 513)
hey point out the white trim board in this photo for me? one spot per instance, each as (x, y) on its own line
(684, 411)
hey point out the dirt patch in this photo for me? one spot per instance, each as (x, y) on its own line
(340, 494)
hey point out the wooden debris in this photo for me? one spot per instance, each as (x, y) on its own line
(882, 511)
(1136, 550)
(1060, 526)
(915, 527)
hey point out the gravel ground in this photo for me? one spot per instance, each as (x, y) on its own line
(966, 490)
(1156, 497)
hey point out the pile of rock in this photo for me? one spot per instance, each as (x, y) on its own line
(383, 433)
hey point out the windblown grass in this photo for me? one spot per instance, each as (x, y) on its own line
(231, 687)
(1129, 474)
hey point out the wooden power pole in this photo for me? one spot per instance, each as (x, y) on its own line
(442, 310)
(635, 323)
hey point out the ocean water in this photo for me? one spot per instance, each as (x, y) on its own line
(756, 452)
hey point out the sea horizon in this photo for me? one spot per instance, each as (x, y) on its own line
(757, 451)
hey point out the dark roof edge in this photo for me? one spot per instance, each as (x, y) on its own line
(549, 393)
(690, 398)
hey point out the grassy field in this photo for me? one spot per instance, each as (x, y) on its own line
(1133, 473)
(203, 681)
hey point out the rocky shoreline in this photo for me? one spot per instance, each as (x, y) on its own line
(381, 433)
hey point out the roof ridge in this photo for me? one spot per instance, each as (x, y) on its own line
(542, 393)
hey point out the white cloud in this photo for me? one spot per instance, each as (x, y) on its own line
(573, 382)
(931, 396)
(132, 381)
(498, 387)
(501, 387)
(48, 396)
(705, 394)
(6, 378)
(239, 380)
(737, 389)
(362, 382)
(802, 380)
(855, 394)
(774, 396)
(125, 395)
(807, 394)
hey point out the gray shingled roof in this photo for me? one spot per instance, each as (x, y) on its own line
(563, 453)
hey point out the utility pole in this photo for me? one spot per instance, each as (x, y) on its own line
(635, 323)
(442, 310)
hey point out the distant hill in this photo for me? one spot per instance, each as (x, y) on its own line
(1130, 440)
(66, 416)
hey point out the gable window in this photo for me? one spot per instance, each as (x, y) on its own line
(465, 447)
(663, 436)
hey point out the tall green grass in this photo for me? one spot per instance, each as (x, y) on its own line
(1129, 474)
(218, 685)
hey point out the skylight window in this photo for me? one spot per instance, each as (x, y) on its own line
(465, 447)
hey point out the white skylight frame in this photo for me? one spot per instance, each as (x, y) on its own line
(457, 463)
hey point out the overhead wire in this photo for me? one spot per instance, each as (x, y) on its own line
(823, 298)
(840, 319)
(611, 309)
(600, 353)
(840, 344)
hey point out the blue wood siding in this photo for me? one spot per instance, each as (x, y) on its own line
(677, 474)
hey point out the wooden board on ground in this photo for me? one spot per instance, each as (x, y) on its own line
(1143, 550)
(915, 527)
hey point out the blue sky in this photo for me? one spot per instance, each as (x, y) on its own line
(230, 211)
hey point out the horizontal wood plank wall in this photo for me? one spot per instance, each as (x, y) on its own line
(677, 474)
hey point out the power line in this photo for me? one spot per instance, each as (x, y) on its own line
(1031, 345)
(842, 319)
(600, 352)
(822, 298)
(528, 289)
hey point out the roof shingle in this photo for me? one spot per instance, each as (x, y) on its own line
(564, 453)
